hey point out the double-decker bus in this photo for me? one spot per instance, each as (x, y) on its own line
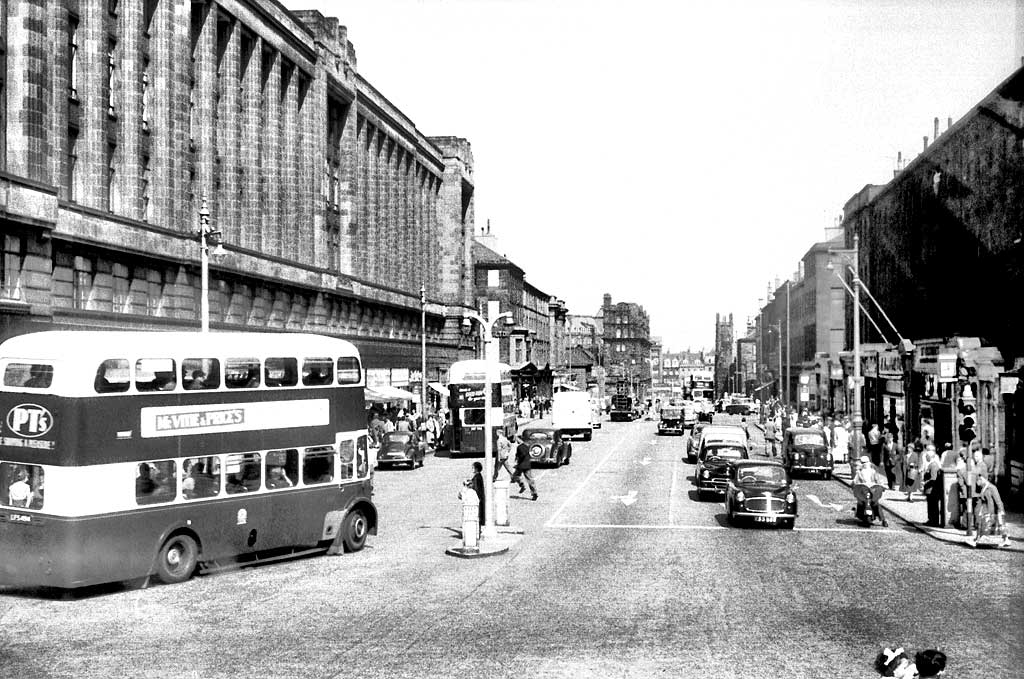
(130, 454)
(466, 402)
(702, 389)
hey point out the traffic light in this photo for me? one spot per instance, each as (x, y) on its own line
(968, 428)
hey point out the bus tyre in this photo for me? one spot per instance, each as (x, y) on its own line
(177, 560)
(354, 530)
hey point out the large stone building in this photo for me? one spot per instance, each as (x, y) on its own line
(123, 122)
(724, 350)
(627, 340)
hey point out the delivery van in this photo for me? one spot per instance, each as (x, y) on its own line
(571, 413)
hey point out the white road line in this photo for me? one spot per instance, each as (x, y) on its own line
(572, 495)
(654, 526)
(672, 489)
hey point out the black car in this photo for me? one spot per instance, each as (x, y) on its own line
(805, 449)
(693, 442)
(401, 448)
(712, 474)
(547, 445)
(760, 491)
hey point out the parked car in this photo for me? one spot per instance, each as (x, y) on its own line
(805, 449)
(693, 442)
(726, 432)
(712, 474)
(401, 447)
(760, 491)
(547, 445)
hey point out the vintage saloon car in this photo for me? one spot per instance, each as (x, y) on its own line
(671, 420)
(547, 445)
(693, 443)
(805, 449)
(401, 448)
(712, 474)
(760, 491)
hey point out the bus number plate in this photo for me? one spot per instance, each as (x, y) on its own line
(17, 517)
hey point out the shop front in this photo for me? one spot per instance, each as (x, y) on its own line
(892, 394)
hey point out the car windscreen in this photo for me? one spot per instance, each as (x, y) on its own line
(399, 438)
(536, 435)
(767, 474)
(723, 452)
(809, 439)
(671, 413)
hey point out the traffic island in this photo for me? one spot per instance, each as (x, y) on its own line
(484, 547)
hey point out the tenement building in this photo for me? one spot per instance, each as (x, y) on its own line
(129, 125)
(627, 341)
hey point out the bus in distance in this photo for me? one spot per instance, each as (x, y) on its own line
(466, 403)
(130, 454)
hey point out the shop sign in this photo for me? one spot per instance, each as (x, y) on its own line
(889, 364)
(415, 376)
(836, 372)
(399, 377)
(378, 377)
(947, 367)
(805, 378)
(926, 358)
(869, 365)
(1008, 385)
(894, 387)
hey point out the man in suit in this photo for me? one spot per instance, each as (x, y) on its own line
(523, 469)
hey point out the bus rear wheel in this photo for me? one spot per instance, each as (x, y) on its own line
(354, 530)
(177, 560)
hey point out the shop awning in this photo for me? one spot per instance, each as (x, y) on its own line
(388, 394)
(438, 387)
(765, 386)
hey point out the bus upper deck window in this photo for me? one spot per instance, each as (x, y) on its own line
(242, 373)
(200, 373)
(155, 374)
(31, 375)
(113, 375)
(281, 372)
(348, 370)
(317, 372)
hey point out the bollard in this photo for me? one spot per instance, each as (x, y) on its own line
(501, 502)
(470, 518)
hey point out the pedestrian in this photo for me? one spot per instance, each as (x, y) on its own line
(476, 482)
(932, 487)
(980, 467)
(889, 456)
(503, 450)
(894, 663)
(913, 467)
(867, 475)
(990, 514)
(841, 442)
(769, 436)
(962, 491)
(874, 439)
(929, 663)
(523, 469)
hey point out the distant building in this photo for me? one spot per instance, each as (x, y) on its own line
(627, 341)
(723, 353)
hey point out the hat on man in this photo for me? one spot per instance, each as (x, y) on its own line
(864, 459)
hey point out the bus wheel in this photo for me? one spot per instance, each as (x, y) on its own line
(354, 530)
(178, 559)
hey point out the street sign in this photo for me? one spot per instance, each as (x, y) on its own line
(947, 367)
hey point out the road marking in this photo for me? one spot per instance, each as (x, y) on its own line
(626, 499)
(573, 494)
(672, 490)
(655, 526)
(646, 461)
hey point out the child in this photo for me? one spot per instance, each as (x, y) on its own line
(930, 663)
(894, 663)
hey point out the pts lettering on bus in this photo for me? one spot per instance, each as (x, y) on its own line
(29, 420)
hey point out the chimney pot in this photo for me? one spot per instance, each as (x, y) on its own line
(936, 135)
(949, 122)
(925, 142)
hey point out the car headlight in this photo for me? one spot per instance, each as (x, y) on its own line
(740, 497)
(536, 451)
(790, 498)
(828, 456)
(705, 474)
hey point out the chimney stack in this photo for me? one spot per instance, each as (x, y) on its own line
(925, 148)
(949, 123)
(936, 135)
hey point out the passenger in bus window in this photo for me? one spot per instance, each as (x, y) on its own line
(198, 380)
(234, 484)
(19, 491)
(144, 483)
(200, 483)
(254, 378)
(276, 478)
(40, 377)
(37, 495)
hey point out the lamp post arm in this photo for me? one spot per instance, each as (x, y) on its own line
(863, 310)
(880, 309)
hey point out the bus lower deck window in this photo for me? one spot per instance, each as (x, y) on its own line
(21, 485)
(282, 468)
(347, 456)
(243, 472)
(318, 465)
(156, 482)
(201, 477)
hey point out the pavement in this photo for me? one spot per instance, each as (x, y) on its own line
(915, 513)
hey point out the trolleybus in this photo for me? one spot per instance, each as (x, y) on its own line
(129, 454)
(466, 403)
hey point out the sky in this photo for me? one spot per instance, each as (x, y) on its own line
(680, 155)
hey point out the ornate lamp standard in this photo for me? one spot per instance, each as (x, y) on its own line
(206, 236)
(491, 360)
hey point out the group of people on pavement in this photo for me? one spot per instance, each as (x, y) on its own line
(388, 419)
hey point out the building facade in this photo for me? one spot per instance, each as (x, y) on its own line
(627, 342)
(124, 122)
(724, 353)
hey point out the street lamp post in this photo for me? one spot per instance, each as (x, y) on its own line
(423, 352)
(857, 419)
(486, 328)
(206, 236)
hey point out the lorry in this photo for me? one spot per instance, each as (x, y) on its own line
(622, 409)
(571, 414)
